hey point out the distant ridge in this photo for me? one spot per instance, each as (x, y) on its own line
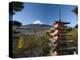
(36, 26)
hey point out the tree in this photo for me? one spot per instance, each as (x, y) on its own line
(15, 7)
(76, 26)
(74, 33)
(75, 10)
(16, 23)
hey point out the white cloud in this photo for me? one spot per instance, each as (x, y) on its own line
(37, 22)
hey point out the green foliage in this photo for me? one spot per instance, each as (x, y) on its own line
(31, 44)
(16, 23)
(15, 7)
(75, 10)
(76, 26)
(35, 41)
(74, 33)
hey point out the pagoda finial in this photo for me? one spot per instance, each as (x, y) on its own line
(59, 14)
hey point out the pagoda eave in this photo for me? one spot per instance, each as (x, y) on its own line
(71, 48)
(62, 22)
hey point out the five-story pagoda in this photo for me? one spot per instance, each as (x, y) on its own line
(60, 42)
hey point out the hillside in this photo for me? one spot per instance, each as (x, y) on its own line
(74, 33)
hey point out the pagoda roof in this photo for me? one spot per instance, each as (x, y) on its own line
(61, 41)
(63, 35)
(68, 48)
(62, 22)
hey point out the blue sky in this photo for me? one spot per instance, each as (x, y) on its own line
(45, 13)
